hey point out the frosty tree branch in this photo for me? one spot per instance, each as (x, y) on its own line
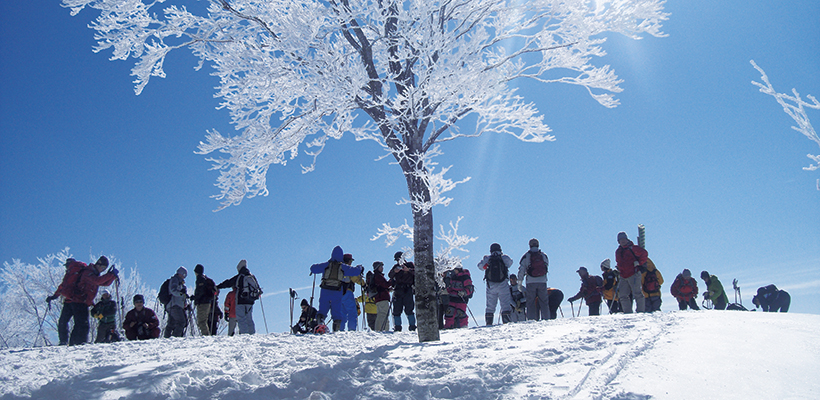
(795, 107)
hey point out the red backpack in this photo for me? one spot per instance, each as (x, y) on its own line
(537, 265)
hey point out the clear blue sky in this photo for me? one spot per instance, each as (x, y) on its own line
(694, 152)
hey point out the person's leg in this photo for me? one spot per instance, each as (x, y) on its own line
(203, 311)
(79, 334)
(532, 305)
(62, 324)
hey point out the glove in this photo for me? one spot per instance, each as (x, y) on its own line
(115, 271)
(49, 298)
(520, 287)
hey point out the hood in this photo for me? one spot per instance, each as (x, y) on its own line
(337, 255)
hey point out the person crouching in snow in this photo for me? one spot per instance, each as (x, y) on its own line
(141, 323)
(307, 321)
(518, 295)
(330, 297)
(460, 288)
(106, 312)
(714, 291)
(685, 290)
(590, 291)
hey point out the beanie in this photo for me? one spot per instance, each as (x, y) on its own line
(397, 256)
(105, 292)
(103, 261)
(583, 270)
(686, 273)
(622, 235)
(181, 271)
(605, 264)
(199, 269)
(304, 303)
(533, 242)
(378, 264)
(242, 264)
(704, 275)
(138, 298)
(495, 247)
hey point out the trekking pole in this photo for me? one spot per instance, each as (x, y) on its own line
(313, 291)
(573, 309)
(364, 312)
(117, 287)
(262, 306)
(386, 323)
(40, 331)
(292, 296)
(468, 309)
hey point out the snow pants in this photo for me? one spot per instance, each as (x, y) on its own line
(244, 318)
(203, 311)
(594, 308)
(555, 298)
(498, 292)
(403, 301)
(538, 304)
(653, 303)
(331, 300)
(107, 333)
(349, 312)
(691, 303)
(614, 306)
(177, 322)
(79, 334)
(631, 285)
(456, 315)
(382, 309)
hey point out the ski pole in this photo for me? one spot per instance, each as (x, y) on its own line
(313, 291)
(262, 306)
(468, 309)
(573, 309)
(292, 295)
(40, 331)
(117, 287)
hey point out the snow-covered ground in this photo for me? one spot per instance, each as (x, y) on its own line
(674, 355)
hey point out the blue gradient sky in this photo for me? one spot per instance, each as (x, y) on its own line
(694, 152)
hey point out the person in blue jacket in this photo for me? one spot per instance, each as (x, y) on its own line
(330, 297)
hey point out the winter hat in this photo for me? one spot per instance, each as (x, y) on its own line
(304, 303)
(242, 264)
(348, 258)
(397, 256)
(102, 261)
(377, 264)
(69, 261)
(181, 271)
(583, 270)
(514, 276)
(686, 273)
(105, 292)
(139, 299)
(495, 247)
(622, 235)
(533, 242)
(704, 275)
(605, 264)
(199, 269)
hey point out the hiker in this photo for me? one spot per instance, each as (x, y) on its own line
(350, 307)
(230, 311)
(330, 297)
(554, 299)
(590, 291)
(247, 292)
(685, 290)
(204, 299)
(518, 295)
(496, 267)
(610, 289)
(141, 323)
(534, 264)
(106, 312)
(630, 260)
(214, 316)
(460, 289)
(651, 281)
(370, 309)
(381, 298)
(770, 299)
(403, 278)
(714, 291)
(176, 307)
(307, 321)
(78, 289)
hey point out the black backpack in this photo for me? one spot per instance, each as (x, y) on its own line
(497, 270)
(370, 288)
(164, 295)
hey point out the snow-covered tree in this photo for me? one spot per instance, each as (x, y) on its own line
(26, 320)
(795, 107)
(402, 74)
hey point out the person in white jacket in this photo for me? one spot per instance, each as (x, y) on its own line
(496, 267)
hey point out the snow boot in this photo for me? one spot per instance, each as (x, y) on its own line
(397, 328)
(505, 317)
(411, 320)
(488, 317)
(337, 325)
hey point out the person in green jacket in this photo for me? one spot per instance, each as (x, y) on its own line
(714, 291)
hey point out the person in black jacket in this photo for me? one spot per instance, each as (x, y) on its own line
(770, 299)
(106, 312)
(307, 321)
(203, 299)
(403, 279)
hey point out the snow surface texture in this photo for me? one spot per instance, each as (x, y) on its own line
(677, 355)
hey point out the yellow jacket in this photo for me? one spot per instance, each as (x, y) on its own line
(369, 304)
(650, 266)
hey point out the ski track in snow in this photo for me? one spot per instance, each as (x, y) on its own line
(579, 358)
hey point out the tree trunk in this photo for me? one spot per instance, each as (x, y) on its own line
(426, 299)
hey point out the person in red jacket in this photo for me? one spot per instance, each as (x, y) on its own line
(230, 311)
(630, 261)
(141, 323)
(685, 290)
(78, 289)
(382, 298)
(590, 291)
(460, 288)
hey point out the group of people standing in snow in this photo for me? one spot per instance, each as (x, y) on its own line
(519, 297)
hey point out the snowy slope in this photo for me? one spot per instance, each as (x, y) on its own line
(677, 355)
